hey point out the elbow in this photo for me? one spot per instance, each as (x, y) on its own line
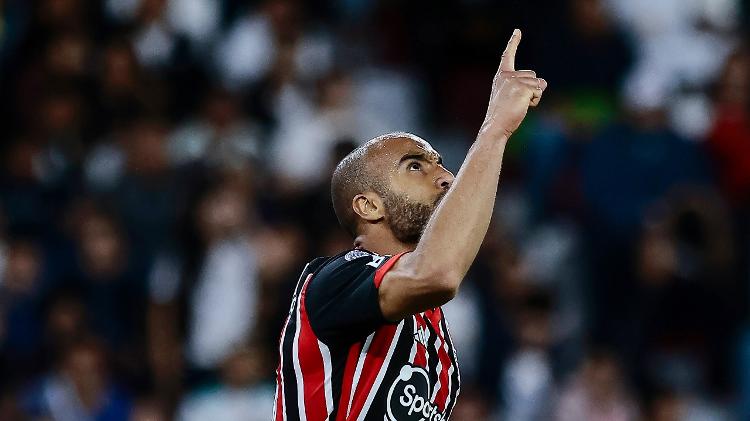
(450, 284)
(443, 284)
(432, 282)
(415, 291)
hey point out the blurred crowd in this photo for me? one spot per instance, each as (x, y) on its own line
(165, 177)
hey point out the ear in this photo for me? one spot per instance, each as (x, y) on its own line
(369, 206)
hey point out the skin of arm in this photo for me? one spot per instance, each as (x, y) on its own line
(430, 275)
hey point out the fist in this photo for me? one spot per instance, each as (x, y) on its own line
(513, 92)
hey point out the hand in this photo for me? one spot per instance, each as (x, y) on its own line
(512, 93)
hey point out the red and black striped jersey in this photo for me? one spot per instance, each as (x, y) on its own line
(341, 360)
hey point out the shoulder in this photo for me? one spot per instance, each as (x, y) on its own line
(341, 297)
(350, 262)
(332, 273)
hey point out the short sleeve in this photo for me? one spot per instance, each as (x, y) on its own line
(342, 297)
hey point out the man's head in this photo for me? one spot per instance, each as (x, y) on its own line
(393, 181)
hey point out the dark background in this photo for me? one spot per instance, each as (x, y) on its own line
(164, 179)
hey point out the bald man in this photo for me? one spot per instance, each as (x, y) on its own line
(366, 338)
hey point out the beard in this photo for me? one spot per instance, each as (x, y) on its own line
(408, 219)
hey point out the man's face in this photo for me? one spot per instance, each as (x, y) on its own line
(417, 183)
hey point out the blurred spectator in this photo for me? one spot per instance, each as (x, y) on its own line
(587, 35)
(256, 41)
(13, 24)
(625, 157)
(60, 137)
(146, 194)
(729, 140)
(303, 141)
(241, 393)
(147, 410)
(9, 408)
(664, 30)
(112, 293)
(123, 89)
(465, 329)
(675, 406)
(687, 303)
(154, 41)
(224, 301)
(625, 169)
(20, 305)
(280, 250)
(219, 137)
(597, 392)
(197, 20)
(220, 288)
(472, 406)
(79, 389)
(66, 321)
(24, 197)
(528, 385)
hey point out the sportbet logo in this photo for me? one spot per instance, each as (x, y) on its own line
(409, 397)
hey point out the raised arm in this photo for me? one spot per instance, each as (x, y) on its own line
(430, 275)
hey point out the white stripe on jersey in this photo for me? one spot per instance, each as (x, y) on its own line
(381, 373)
(426, 322)
(281, 352)
(451, 369)
(413, 353)
(295, 360)
(326, 354)
(438, 368)
(358, 371)
(455, 357)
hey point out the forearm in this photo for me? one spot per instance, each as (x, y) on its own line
(430, 275)
(458, 226)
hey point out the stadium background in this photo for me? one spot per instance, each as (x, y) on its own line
(165, 171)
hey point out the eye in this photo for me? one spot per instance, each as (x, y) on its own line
(415, 166)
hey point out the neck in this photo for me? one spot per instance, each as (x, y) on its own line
(381, 242)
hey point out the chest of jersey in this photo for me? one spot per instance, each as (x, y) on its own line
(428, 381)
(415, 377)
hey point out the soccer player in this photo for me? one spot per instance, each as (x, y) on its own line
(366, 338)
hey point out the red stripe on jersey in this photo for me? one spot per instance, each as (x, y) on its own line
(279, 408)
(420, 358)
(346, 387)
(373, 363)
(385, 268)
(445, 361)
(311, 364)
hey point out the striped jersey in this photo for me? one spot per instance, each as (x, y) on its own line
(341, 360)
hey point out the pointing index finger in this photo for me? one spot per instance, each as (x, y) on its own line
(508, 61)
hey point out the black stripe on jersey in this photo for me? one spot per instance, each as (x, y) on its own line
(433, 356)
(339, 355)
(287, 368)
(455, 378)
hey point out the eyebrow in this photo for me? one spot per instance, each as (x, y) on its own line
(420, 157)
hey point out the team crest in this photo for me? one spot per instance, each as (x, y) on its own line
(355, 254)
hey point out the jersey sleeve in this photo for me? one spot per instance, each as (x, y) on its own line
(342, 298)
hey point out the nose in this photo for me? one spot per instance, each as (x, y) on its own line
(445, 180)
